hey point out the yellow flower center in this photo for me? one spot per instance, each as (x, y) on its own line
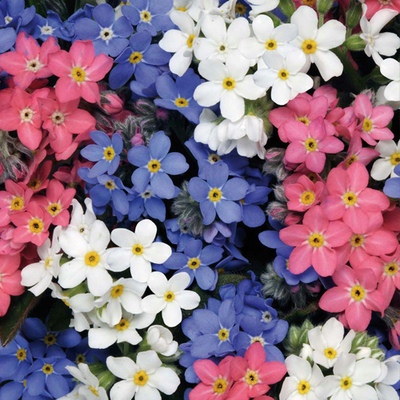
(223, 334)
(190, 40)
(21, 354)
(316, 240)
(367, 125)
(135, 57)
(270, 44)
(57, 118)
(395, 158)
(154, 166)
(240, 9)
(304, 120)
(303, 387)
(229, 83)
(251, 377)
(193, 263)
(220, 385)
(350, 199)
(357, 292)
(310, 3)
(80, 358)
(330, 353)
(92, 258)
(181, 102)
(283, 74)
(215, 195)
(48, 262)
(169, 296)
(94, 391)
(54, 209)
(26, 115)
(145, 16)
(213, 158)
(307, 197)
(117, 291)
(137, 249)
(122, 325)
(309, 46)
(47, 369)
(109, 153)
(356, 240)
(350, 160)
(78, 74)
(17, 203)
(140, 378)
(36, 225)
(391, 268)
(346, 382)
(110, 184)
(311, 144)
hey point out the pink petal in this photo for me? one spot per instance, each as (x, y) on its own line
(358, 177)
(333, 207)
(60, 63)
(67, 89)
(255, 356)
(335, 300)
(316, 219)
(80, 121)
(324, 261)
(12, 62)
(90, 92)
(206, 370)
(82, 53)
(362, 106)
(99, 68)
(300, 259)
(381, 242)
(11, 284)
(337, 181)
(315, 161)
(345, 277)
(382, 115)
(295, 153)
(272, 372)
(358, 317)
(338, 233)
(294, 235)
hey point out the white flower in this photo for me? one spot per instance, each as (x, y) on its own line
(228, 84)
(390, 68)
(123, 294)
(261, 6)
(267, 38)
(350, 379)
(137, 250)
(89, 259)
(91, 389)
(160, 339)
(302, 380)
(284, 76)
(81, 221)
(316, 43)
(390, 376)
(206, 131)
(328, 343)
(170, 297)
(378, 43)
(219, 41)
(180, 42)
(389, 157)
(142, 379)
(40, 274)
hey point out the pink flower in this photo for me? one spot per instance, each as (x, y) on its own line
(374, 6)
(69, 175)
(253, 374)
(343, 120)
(309, 144)
(303, 194)
(350, 199)
(23, 115)
(7, 244)
(79, 70)
(29, 61)
(31, 225)
(355, 294)
(394, 335)
(37, 178)
(10, 280)
(373, 121)
(215, 380)
(315, 241)
(57, 201)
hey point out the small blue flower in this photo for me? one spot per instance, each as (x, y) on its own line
(82, 353)
(13, 14)
(218, 195)
(252, 214)
(50, 26)
(392, 185)
(109, 35)
(176, 234)
(149, 15)
(155, 165)
(140, 58)
(178, 95)
(105, 153)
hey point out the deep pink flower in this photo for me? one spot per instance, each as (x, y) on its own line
(356, 295)
(308, 144)
(23, 116)
(31, 225)
(10, 280)
(79, 70)
(374, 6)
(57, 201)
(343, 120)
(215, 380)
(37, 178)
(394, 335)
(7, 244)
(29, 60)
(373, 120)
(69, 175)
(253, 374)
(315, 241)
(349, 198)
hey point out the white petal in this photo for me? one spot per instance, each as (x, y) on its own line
(213, 70)
(118, 259)
(188, 300)
(131, 302)
(280, 92)
(265, 78)
(179, 282)
(73, 243)
(83, 302)
(391, 69)
(123, 237)
(157, 253)
(147, 392)
(172, 314)
(247, 88)
(214, 27)
(165, 379)
(101, 338)
(173, 40)
(387, 43)
(332, 34)
(392, 91)
(306, 20)
(130, 336)
(158, 283)
(140, 269)
(381, 169)
(386, 147)
(72, 273)
(208, 94)
(366, 370)
(328, 64)
(263, 27)
(123, 390)
(99, 236)
(298, 367)
(152, 304)
(232, 105)
(99, 280)
(146, 231)
(148, 361)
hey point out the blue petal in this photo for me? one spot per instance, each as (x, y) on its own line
(140, 179)
(253, 215)
(120, 74)
(208, 211)
(136, 208)
(140, 41)
(206, 321)
(86, 29)
(162, 185)
(12, 390)
(166, 87)
(270, 239)
(120, 202)
(174, 164)
(156, 56)
(92, 152)
(132, 14)
(159, 145)
(7, 39)
(204, 346)
(217, 175)
(57, 385)
(211, 254)
(227, 315)
(235, 189)
(176, 261)
(122, 27)
(139, 156)
(198, 189)
(35, 383)
(104, 15)
(229, 211)
(206, 278)
(68, 338)
(98, 169)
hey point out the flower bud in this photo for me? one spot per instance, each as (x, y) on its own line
(111, 102)
(323, 6)
(160, 339)
(353, 14)
(355, 43)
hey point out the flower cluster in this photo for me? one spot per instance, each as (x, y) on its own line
(183, 183)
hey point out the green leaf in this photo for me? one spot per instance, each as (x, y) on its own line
(19, 309)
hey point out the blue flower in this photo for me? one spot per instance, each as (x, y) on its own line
(392, 185)
(149, 15)
(109, 36)
(217, 195)
(68, 29)
(82, 353)
(178, 95)
(252, 214)
(16, 16)
(155, 165)
(50, 26)
(140, 58)
(176, 234)
(195, 261)
(106, 152)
